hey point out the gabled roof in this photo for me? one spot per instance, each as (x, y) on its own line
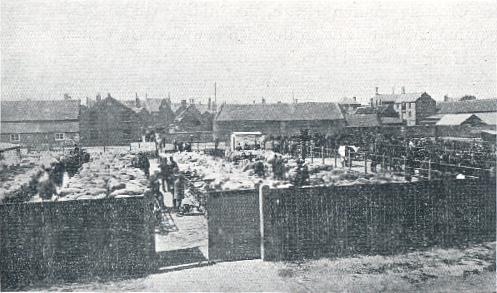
(52, 110)
(280, 112)
(456, 119)
(472, 106)
(400, 98)
(362, 120)
(132, 105)
(190, 111)
(489, 118)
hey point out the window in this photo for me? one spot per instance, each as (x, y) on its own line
(409, 114)
(59, 136)
(15, 137)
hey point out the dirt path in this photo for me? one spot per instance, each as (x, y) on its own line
(437, 270)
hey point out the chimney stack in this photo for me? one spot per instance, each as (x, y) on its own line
(376, 90)
(355, 99)
(403, 89)
(183, 103)
(98, 98)
(263, 101)
(87, 102)
(446, 98)
(209, 104)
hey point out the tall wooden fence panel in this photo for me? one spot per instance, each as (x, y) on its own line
(376, 219)
(75, 240)
(234, 225)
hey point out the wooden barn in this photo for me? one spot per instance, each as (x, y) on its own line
(109, 122)
(279, 119)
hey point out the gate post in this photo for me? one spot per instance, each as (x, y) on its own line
(263, 189)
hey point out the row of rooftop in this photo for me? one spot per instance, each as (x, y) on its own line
(104, 117)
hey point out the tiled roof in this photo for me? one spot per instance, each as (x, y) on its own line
(399, 98)
(190, 111)
(280, 112)
(362, 120)
(391, 120)
(39, 127)
(52, 110)
(489, 118)
(473, 106)
(454, 119)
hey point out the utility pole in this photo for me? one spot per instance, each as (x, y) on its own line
(215, 93)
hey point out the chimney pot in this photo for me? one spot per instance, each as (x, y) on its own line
(355, 99)
(98, 98)
(376, 90)
(403, 89)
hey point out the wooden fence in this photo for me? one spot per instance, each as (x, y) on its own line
(75, 240)
(376, 219)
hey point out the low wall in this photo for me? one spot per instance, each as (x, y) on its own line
(75, 240)
(376, 219)
(234, 226)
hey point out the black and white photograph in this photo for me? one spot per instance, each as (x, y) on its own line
(248, 146)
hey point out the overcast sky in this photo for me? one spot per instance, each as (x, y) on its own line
(319, 51)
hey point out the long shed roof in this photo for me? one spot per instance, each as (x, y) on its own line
(280, 112)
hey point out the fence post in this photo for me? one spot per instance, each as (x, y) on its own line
(350, 161)
(263, 189)
(322, 153)
(335, 154)
(383, 163)
(365, 163)
(312, 153)
(429, 169)
(405, 166)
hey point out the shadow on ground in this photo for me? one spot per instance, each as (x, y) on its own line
(171, 258)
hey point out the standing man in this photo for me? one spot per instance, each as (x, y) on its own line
(164, 172)
(179, 190)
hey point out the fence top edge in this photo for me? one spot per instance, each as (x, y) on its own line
(86, 200)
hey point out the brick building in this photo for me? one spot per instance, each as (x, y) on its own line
(40, 123)
(278, 119)
(154, 113)
(411, 107)
(109, 122)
